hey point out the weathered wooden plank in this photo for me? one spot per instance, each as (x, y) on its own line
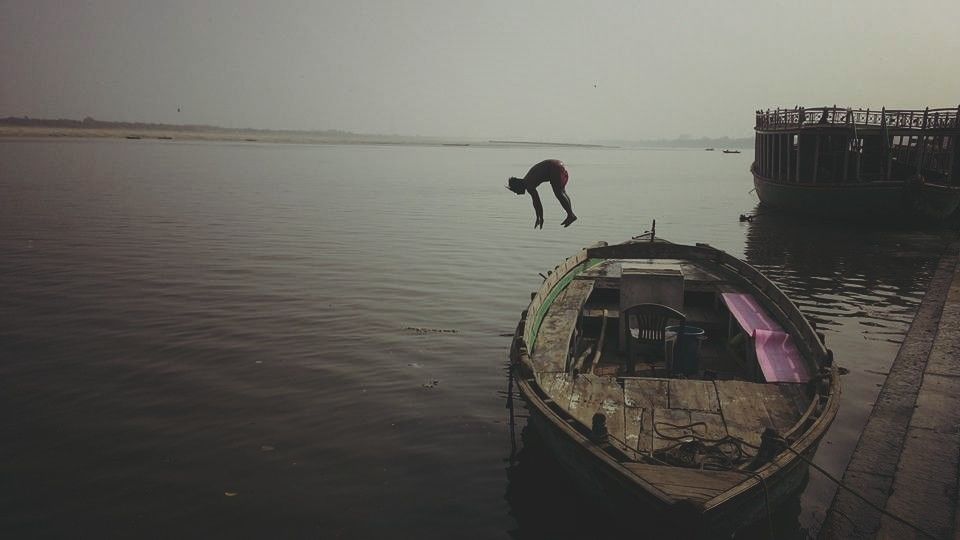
(593, 394)
(749, 408)
(713, 428)
(648, 393)
(780, 407)
(670, 426)
(637, 430)
(693, 395)
(797, 394)
(556, 329)
(553, 340)
(681, 483)
(558, 386)
(642, 397)
(743, 410)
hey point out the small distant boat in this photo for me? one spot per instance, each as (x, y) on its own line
(709, 149)
(701, 424)
(731, 151)
(134, 137)
(855, 164)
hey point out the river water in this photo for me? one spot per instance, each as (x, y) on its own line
(253, 340)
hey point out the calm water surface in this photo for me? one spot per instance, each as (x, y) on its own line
(244, 340)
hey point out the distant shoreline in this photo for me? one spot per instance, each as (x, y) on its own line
(45, 132)
(30, 128)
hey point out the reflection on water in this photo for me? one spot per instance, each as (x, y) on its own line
(833, 272)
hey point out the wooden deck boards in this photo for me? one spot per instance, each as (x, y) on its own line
(651, 414)
(749, 408)
(692, 484)
(693, 395)
(595, 394)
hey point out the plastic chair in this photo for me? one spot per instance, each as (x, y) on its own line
(645, 325)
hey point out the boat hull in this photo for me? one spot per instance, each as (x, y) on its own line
(627, 500)
(871, 201)
(604, 473)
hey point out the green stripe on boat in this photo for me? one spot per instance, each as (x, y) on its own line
(557, 289)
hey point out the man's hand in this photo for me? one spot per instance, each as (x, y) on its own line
(539, 222)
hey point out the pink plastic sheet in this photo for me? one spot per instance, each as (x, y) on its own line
(778, 356)
(749, 313)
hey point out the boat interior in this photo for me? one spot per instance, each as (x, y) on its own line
(685, 367)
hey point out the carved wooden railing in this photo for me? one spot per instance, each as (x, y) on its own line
(833, 116)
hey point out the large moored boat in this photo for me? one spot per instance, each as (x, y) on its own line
(885, 165)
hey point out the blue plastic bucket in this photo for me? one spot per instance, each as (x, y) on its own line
(683, 350)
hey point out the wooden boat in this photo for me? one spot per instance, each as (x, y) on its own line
(731, 151)
(886, 165)
(706, 424)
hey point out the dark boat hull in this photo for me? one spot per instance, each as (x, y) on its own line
(605, 474)
(628, 501)
(870, 201)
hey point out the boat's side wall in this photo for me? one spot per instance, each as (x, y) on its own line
(561, 276)
(875, 199)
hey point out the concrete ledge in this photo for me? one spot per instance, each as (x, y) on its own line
(906, 460)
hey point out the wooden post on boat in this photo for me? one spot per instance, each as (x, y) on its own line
(955, 150)
(846, 146)
(771, 155)
(887, 157)
(761, 160)
(770, 143)
(800, 115)
(922, 141)
(789, 151)
(781, 159)
(816, 156)
(832, 140)
(866, 122)
(764, 145)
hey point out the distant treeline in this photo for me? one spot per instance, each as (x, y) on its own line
(688, 142)
(543, 143)
(92, 123)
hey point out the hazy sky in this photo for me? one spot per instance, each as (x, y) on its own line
(548, 70)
